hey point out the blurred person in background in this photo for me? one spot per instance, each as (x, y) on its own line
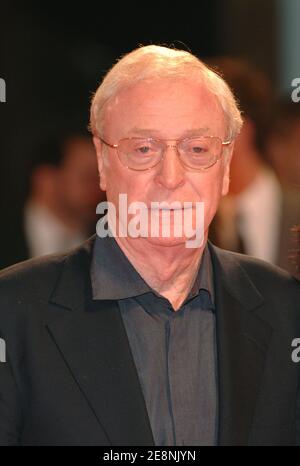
(283, 142)
(64, 191)
(62, 195)
(296, 251)
(258, 213)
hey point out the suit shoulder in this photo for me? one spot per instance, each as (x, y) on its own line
(32, 274)
(38, 276)
(260, 271)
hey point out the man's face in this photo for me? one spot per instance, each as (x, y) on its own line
(164, 110)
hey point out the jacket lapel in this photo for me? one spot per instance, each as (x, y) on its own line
(102, 365)
(242, 342)
(100, 360)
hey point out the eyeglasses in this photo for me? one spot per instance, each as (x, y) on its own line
(196, 154)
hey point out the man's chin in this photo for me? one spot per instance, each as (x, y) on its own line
(169, 241)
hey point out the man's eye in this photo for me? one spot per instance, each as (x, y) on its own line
(197, 149)
(143, 150)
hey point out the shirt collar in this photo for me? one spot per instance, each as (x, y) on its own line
(114, 277)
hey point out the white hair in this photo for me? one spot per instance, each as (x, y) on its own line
(154, 62)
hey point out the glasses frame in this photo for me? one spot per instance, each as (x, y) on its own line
(177, 141)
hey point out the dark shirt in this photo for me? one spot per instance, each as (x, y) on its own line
(174, 351)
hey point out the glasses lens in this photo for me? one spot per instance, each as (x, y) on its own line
(139, 154)
(200, 152)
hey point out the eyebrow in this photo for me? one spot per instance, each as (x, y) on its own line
(150, 131)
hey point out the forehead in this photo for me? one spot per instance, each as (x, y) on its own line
(165, 107)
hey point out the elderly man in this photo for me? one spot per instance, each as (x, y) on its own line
(152, 339)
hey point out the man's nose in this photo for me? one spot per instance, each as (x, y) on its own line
(171, 171)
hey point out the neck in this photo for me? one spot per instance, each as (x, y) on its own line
(169, 270)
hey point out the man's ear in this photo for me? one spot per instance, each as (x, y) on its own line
(228, 152)
(101, 166)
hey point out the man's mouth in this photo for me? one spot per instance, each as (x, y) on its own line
(168, 206)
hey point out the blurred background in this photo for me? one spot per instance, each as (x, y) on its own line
(52, 58)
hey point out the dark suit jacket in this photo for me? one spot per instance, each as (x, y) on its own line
(70, 378)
